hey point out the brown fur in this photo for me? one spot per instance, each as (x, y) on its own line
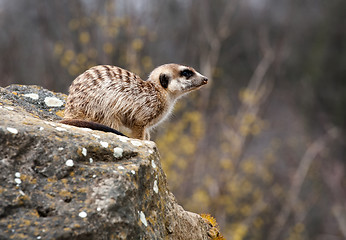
(117, 98)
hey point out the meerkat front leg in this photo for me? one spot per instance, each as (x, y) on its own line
(140, 132)
(147, 135)
(114, 122)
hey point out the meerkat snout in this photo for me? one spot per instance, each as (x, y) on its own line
(119, 99)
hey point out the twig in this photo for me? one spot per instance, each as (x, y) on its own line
(311, 153)
(340, 218)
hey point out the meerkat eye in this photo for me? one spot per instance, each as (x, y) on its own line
(187, 73)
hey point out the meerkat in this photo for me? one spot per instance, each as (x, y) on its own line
(119, 99)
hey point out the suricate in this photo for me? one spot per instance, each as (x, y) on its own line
(120, 99)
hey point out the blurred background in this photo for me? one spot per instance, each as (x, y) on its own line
(262, 146)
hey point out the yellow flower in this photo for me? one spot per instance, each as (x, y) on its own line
(58, 48)
(84, 37)
(68, 55)
(108, 48)
(73, 24)
(137, 44)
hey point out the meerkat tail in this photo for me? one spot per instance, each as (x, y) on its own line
(91, 125)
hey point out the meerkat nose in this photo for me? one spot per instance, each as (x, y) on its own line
(205, 80)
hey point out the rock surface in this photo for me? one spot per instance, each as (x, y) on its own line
(63, 182)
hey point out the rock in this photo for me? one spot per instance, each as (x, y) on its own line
(63, 182)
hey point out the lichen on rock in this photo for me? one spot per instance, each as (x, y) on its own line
(63, 182)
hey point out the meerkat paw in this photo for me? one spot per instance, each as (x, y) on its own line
(146, 135)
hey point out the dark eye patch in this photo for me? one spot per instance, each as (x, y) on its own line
(164, 80)
(187, 73)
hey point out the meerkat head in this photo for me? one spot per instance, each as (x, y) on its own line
(177, 79)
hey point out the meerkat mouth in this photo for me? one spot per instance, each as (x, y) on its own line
(204, 82)
(192, 87)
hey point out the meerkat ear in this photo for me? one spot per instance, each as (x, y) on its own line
(164, 79)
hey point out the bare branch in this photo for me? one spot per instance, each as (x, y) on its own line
(339, 214)
(259, 88)
(311, 153)
(223, 29)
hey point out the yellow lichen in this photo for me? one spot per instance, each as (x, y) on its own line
(18, 236)
(33, 181)
(82, 190)
(64, 180)
(60, 113)
(214, 231)
(64, 193)
(26, 222)
(51, 180)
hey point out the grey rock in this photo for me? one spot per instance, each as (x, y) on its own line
(64, 182)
